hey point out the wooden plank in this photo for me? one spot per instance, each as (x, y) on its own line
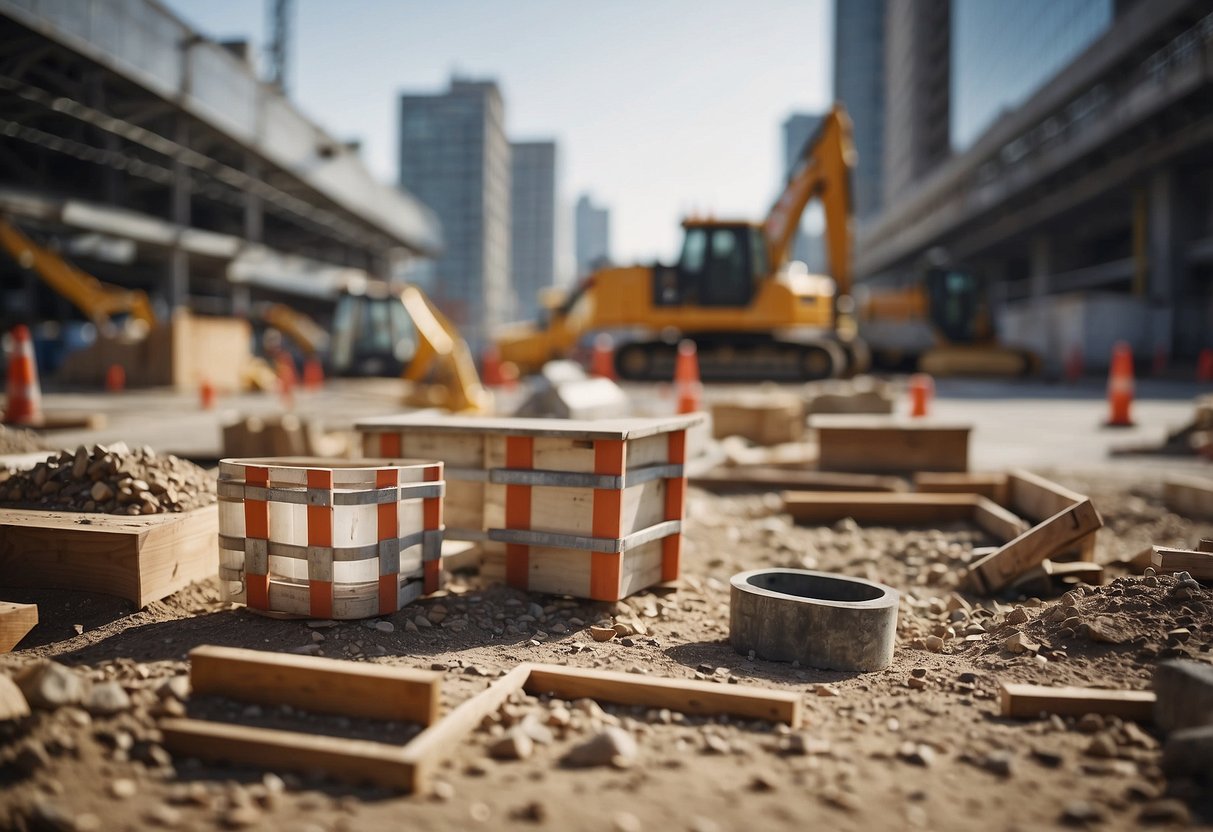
(992, 486)
(316, 684)
(636, 428)
(996, 521)
(1196, 563)
(734, 480)
(1030, 701)
(356, 761)
(865, 447)
(16, 620)
(903, 509)
(1189, 496)
(142, 559)
(998, 569)
(684, 695)
(429, 748)
(1037, 498)
(760, 418)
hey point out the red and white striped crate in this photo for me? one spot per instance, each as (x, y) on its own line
(592, 509)
(328, 538)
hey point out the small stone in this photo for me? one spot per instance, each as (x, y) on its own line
(49, 685)
(999, 762)
(123, 788)
(612, 746)
(916, 683)
(443, 791)
(1017, 616)
(178, 687)
(1089, 723)
(1102, 745)
(917, 753)
(539, 733)
(1103, 630)
(1080, 812)
(1019, 643)
(242, 817)
(603, 633)
(626, 822)
(825, 690)
(385, 626)
(1167, 811)
(763, 781)
(100, 492)
(107, 699)
(32, 757)
(716, 744)
(934, 643)
(164, 816)
(515, 745)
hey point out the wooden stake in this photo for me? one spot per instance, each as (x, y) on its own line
(1030, 701)
(16, 620)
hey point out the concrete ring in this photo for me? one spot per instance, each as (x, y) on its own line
(821, 620)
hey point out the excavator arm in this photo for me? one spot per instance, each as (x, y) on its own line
(823, 170)
(99, 301)
(440, 347)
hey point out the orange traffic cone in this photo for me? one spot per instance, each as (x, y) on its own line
(922, 389)
(1204, 365)
(1074, 364)
(115, 379)
(313, 374)
(206, 394)
(1120, 386)
(686, 378)
(603, 362)
(287, 378)
(22, 391)
(490, 366)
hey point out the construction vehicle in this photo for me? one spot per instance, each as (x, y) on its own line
(383, 331)
(100, 302)
(751, 313)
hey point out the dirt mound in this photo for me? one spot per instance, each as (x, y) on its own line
(18, 441)
(111, 480)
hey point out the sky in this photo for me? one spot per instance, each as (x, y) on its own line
(660, 107)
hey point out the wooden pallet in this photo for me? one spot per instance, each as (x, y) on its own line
(16, 620)
(591, 509)
(877, 445)
(142, 559)
(342, 687)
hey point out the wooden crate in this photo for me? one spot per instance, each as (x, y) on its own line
(328, 539)
(860, 445)
(763, 419)
(590, 509)
(142, 559)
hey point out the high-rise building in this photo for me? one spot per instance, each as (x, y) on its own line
(455, 157)
(807, 246)
(859, 83)
(917, 92)
(593, 235)
(533, 201)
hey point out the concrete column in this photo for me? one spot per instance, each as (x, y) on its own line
(254, 214)
(1040, 265)
(179, 262)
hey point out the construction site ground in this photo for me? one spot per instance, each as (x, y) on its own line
(917, 746)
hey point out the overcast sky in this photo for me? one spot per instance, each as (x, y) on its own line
(660, 107)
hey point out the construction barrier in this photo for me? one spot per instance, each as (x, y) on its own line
(1120, 386)
(22, 391)
(686, 378)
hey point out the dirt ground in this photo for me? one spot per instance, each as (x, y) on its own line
(917, 746)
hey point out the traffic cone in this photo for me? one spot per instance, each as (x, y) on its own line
(22, 391)
(206, 394)
(1074, 364)
(922, 389)
(115, 379)
(603, 361)
(287, 378)
(1120, 386)
(490, 366)
(1204, 365)
(686, 378)
(313, 374)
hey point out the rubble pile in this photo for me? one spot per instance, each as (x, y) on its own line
(111, 480)
(19, 441)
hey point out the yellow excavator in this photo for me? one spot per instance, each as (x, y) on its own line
(751, 313)
(754, 315)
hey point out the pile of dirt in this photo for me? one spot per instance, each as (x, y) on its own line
(19, 441)
(111, 480)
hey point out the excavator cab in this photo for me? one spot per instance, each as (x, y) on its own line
(720, 265)
(958, 307)
(373, 335)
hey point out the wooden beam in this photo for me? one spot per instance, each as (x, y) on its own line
(1030, 701)
(1196, 563)
(356, 761)
(688, 696)
(770, 478)
(1036, 498)
(316, 684)
(16, 620)
(909, 508)
(1189, 496)
(883, 446)
(998, 569)
(992, 486)
(996, 521)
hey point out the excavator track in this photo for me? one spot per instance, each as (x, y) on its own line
(755, 359)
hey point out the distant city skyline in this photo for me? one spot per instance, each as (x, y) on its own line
(660, 110)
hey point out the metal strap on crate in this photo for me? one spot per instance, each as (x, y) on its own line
(232, 490)
(605, 545)
(573, 479)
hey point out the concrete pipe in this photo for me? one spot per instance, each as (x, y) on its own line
(821, 620)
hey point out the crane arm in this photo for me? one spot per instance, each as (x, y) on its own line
(824, 171)
(99, 301)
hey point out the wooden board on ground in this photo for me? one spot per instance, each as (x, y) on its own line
(1056, 534)
(142, 559)
(16, 620)
(1036, 499)
(885, 446)
(1198, 564)
(733, 480)
(411, 768)
(1030, 701)
(903, 509)
(992, 486)
(69, 420)
(1189, 496)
